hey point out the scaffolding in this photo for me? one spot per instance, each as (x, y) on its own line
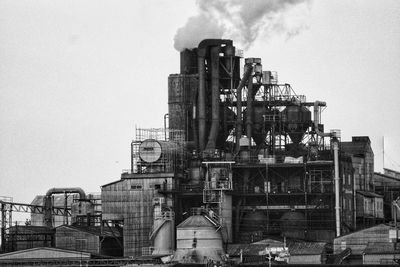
(171, 148)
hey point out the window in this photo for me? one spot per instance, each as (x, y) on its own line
(136, 187)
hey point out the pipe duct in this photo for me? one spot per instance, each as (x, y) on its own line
(239, 121)
(249, 121)
(212, 137)
(316, 119)
(201, 100)
(202, 53)
(78, 190)
(48, 204)
(337, 188)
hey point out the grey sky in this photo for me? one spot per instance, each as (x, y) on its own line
(77, 76)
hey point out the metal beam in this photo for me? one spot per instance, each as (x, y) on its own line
(20, 207)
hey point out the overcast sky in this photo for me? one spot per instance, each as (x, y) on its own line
(77, 76)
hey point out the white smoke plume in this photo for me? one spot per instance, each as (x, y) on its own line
(243, 21)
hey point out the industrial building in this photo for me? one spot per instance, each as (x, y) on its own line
(387, 184)
(243, 161)
(245, 152)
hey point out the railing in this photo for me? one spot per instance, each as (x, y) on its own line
(166, 215)
(211, 214)
(212, 196)
(198, 188)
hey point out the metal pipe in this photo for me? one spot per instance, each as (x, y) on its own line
(62, 190)
(249, 119)
(194, 124)
(212, 137)
(337, 188)
(166, 115)
(239, 121)
(48, 205)
(316, 118)
(201, 100)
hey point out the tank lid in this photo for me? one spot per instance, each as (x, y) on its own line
(195, 221)
(150, 150)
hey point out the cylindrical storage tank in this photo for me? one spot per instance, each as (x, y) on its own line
(253, 226)
(297, 119)
(151, 150)
(262, 122)
(163, 230)
(254, 221)
(293, 224)
(182, 91)
(198, 241)
(163, 240)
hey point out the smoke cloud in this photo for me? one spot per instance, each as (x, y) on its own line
(243, 21)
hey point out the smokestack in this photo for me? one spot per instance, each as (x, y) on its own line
(189, 61)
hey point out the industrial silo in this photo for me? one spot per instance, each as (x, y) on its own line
(198, 241)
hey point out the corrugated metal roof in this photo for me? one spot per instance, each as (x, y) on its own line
(195, 221)
(306, 248)
(247, 249)
(95, 230)
(46, 252)
(111, 183)
(380, 229)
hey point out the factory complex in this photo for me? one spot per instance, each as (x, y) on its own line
(242, 173)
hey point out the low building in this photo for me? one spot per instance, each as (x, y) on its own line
(129, 202)
(388, 185)
(381, 253)
(307, 252)
(369, 208)
(21, 237)
(359, 241)
(89, 239)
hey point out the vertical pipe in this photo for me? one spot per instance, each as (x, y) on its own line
(3, 226)
(201, 100)
(336, 179)
(165, 126)
(249, 121)
(212, 137)
(239, 121)
(395, 224)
